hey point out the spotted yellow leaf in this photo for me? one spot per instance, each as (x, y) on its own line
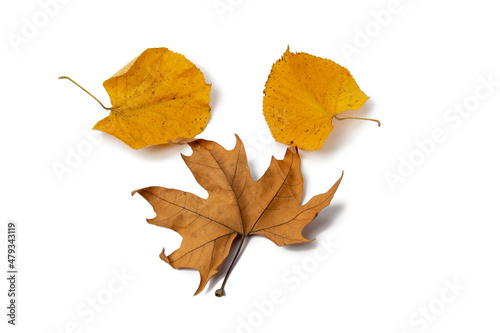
(302, 95)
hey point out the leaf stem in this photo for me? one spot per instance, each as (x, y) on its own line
(370, 119)
(221, 292)
(67, 78)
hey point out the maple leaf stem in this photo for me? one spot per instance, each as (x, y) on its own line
(221, 292)
(67, 78)
(370, 119)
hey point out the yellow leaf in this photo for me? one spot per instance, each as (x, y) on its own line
(302, 95)
(157, 98)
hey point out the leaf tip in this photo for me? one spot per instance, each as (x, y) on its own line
(164, 257)
(239, 142)
(293, 149)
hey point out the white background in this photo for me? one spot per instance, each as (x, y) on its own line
(399, 249)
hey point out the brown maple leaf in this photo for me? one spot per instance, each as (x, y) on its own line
(236, 206)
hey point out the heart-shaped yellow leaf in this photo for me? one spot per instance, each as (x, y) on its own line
(157, 98)
(302, 95)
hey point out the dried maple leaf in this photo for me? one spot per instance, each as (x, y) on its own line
(236, 206)
(157, 98)
(302, 95)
